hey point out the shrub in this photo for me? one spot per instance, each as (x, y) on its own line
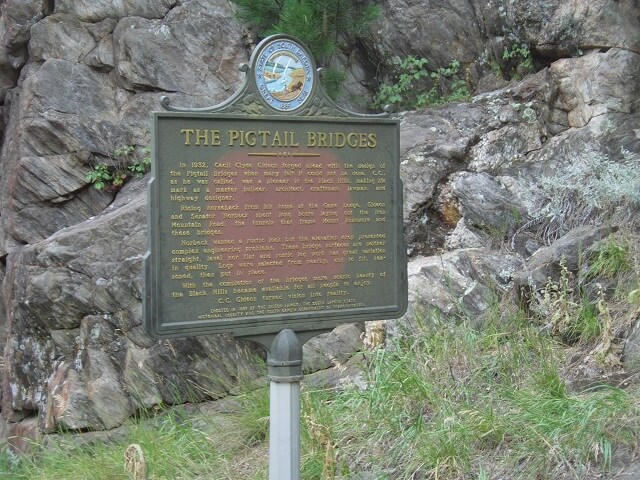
(418, 87)
(591, 190)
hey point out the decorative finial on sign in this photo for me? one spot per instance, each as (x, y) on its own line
(165, 101)
(284, 359)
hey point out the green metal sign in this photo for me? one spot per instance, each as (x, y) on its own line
(274, 210)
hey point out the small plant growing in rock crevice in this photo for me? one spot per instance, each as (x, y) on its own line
(99, 176)
(128, 161)
(570, 314)
(417, 87)
(516, 60)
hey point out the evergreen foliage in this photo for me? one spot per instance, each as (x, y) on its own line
(319, 24)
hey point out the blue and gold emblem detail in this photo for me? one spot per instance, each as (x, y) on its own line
(284, 75)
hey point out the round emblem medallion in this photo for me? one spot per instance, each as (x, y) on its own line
(284, 74)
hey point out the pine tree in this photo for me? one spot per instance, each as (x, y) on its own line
(320, 24)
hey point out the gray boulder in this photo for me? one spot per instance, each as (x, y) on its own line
(462, 283)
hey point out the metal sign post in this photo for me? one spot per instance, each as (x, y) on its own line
(284, 363)
(284, 370)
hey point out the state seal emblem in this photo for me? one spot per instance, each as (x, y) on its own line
(284, 74)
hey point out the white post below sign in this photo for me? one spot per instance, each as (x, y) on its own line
(285, 374)
(284, 431)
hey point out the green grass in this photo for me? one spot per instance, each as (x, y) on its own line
(439, 405)
(611, 259)
(449, 402)
(176, 445)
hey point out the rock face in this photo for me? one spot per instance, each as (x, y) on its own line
(79, 79)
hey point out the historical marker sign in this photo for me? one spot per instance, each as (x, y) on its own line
(274, 210)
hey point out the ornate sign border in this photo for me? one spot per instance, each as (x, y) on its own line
(188, 145)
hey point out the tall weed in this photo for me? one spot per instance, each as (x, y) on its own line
(440, 402)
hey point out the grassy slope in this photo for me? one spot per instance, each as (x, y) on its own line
(506, 399)
(452, 403)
